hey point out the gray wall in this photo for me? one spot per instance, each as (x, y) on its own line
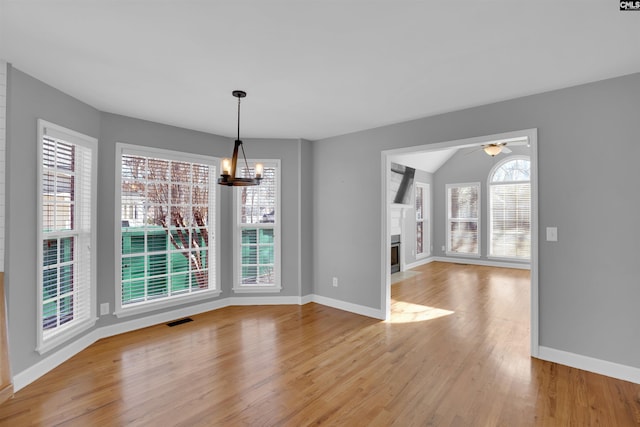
(466, 166)
(306, 217)
(30, 99)
(27, 101)
(587, 152)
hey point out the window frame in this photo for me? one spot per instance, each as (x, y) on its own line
(74, 328)
(214, 289)
(276, 225)
(448, 250)
(426, 217)
(490, 183)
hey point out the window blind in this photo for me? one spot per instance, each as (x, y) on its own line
(510, 209)
(258, 231)
(67, 191)
(463, 218)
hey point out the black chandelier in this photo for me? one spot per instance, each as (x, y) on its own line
(228, 176)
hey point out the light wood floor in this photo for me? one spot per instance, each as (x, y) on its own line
(454, 354)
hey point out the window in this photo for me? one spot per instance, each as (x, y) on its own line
(257, 236)
(423, 243)
(463, 219)
(165, 228)
(510, 209)
(66, 234)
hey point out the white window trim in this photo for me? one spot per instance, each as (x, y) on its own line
(489, 226)
(74, 329)
(161, 303)
(426, 220)
(277, 227)
(448, 231)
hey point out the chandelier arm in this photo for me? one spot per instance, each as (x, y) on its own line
(245, 157)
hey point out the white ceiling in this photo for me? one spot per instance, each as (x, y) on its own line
(429, 161)
(312, 69)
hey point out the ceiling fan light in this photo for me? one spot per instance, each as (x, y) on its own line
(492, 149)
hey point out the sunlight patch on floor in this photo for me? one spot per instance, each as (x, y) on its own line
(406, 312)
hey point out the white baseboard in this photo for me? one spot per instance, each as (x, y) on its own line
(350, 307)
(32, 373)
(306, 299)
(163, 317)
(586, 363)
(275, 300)
(29, 375)
(486, 262)
(418, 263)
(26, 377)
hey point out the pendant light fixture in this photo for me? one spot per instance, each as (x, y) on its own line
(228, 176)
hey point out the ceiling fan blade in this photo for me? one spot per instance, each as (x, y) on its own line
(505, 149)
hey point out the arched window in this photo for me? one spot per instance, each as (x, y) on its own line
(510, 208)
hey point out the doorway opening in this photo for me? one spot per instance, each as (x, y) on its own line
(469, 144)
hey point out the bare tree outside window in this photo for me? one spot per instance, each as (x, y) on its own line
(174, 197)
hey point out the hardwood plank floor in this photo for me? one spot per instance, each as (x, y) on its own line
(455, 353)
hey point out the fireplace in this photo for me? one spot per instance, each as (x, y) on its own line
(395, 253)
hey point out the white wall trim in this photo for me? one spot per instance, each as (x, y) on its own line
(29, 375)
(3, 149)
(34, 372)
(487, 262)
(279, 300)
(306, 299)
(420, 262)
(586, 363)
(350, 307)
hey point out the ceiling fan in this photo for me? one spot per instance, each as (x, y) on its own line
(495, 148)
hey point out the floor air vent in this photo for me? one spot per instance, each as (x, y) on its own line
(180, 322)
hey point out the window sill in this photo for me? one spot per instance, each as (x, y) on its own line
(461, 255)
(146, 307)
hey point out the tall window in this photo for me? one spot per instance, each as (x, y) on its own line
(510, 209)
(257, 237)
(66, 264)
(165, 227)
(463, 219)
(423, 243)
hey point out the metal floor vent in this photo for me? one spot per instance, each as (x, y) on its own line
(180, 322)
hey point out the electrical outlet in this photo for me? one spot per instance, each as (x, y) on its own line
(442, 248)
(104, 308)
(335, 282)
